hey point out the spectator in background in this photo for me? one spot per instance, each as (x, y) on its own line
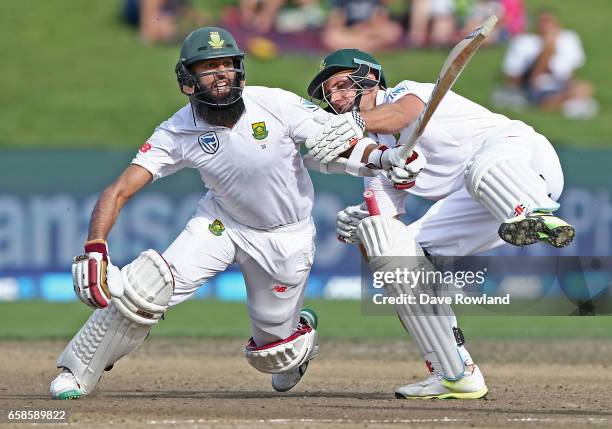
(476, 12)
(514, 20)
(280, 15)
(259, 15)
(432, 22)
(540, 68)
(446, 22)
(363, 24)
(306, 14)
(162, 21)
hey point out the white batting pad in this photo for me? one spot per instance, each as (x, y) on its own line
(283, 355)
(148, 287)
(390, 246)
(105, 338)
(120, 328)
(505, 184)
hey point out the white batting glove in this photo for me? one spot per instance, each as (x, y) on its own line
(347, 221)
(94, 278)
(402, 172)
(336, 136)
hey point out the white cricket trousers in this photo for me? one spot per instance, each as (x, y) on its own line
(275, 264)
(458, 225)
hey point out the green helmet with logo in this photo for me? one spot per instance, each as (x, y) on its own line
(347, 59)
(204, 44)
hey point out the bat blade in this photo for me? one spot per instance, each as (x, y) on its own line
(454, 64)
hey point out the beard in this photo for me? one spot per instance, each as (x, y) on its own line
(223, 110)
(226, 115)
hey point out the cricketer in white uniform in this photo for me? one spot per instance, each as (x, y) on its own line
(492, 178)
(244, 142)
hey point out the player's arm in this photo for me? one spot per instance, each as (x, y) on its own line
(391, 118)
(95, 278)
(114, 197)
(341, 148)
(338, 137)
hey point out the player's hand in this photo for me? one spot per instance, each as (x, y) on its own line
(347, 221)
(338, 135)
(94, 278)
(402, 172)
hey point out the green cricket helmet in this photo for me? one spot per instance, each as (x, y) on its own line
(348, 59)
(208, 43)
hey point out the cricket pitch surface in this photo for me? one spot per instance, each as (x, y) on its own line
(202, 383)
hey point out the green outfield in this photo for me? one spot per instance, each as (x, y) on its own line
(74, 76)
(32, 320)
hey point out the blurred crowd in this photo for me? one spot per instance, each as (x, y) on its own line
(377, 25)
(372, 25)
(538, 68)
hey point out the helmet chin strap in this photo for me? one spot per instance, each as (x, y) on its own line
(357, 102)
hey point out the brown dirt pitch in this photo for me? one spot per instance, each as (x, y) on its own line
(191, 383)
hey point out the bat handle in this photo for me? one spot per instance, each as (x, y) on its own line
(405, 152)
(371, 203)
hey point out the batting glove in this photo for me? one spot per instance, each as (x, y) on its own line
(347, 221)
(94, 278)
(402, 172)
(338, 135)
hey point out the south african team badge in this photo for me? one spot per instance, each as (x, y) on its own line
(260, 131)
(215, 40)
(216, 228)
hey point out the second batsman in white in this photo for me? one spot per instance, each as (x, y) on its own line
(244, 142)
(492, 178)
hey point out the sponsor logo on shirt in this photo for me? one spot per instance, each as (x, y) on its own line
(145, 147)
(216, 228)
(396, 92)
(280, 288)
(260, 131)
(309, 105)
(209, 142)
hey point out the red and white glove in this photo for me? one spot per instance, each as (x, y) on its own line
(94, 278)
(402, 172)
(338, 135)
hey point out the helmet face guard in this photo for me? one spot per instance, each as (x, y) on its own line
(190, 85)
(357, 81)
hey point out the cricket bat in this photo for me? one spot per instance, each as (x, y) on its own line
(452, 68)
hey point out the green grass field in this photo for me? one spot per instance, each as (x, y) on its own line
(32, 320)
(74, 76)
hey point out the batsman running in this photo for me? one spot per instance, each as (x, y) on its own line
(492, 179)
(244, 142)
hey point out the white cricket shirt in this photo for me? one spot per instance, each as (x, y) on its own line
(254, 171)
(456, 130)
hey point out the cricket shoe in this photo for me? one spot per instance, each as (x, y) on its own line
(285, 381)
(470, 386)
(65, 386)
(537, 226)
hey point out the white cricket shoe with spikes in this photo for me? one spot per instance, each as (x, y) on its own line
(470, 386)
(65, 386)
(285, 381)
